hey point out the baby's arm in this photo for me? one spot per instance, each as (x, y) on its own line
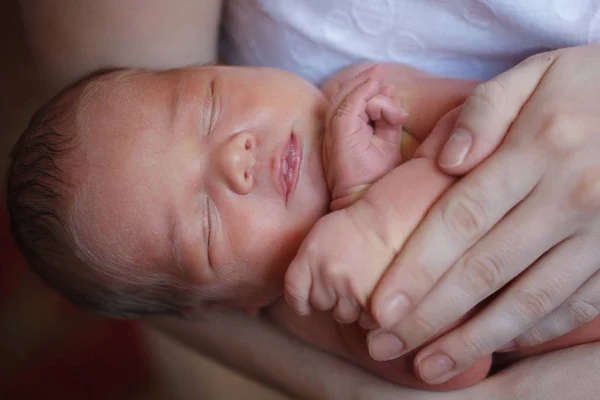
(362, 138)
(361, 144)
(347, 251)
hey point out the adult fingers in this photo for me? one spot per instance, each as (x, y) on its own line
(545, 285)
(489, 112)
(461, 217)
(580, 309)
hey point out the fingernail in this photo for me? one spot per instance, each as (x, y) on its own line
(385, 346)
(509, 346)
(366, 322)
(456, 149)
(394, 309)
(436, 368)
(366, 71)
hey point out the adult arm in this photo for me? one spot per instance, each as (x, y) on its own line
(261, 351)
(71, 38)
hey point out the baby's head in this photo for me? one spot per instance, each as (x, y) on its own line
(138, 193)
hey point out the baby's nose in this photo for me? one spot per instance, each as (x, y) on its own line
(237, 158)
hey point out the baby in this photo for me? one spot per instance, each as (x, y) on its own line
(140, 193)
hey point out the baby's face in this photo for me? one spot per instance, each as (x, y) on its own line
(213, 172)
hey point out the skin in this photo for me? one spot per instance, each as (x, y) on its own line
(183, 165)
(524, 221)
(331, 274)
(210, 135)
(142, 33)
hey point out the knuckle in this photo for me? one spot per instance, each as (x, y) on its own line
(335, 272)
(466, 216)
(343, 111)
(534, 303)
(558, 134)
(473, 345)
(532, 337)
(296, 295)
(582, 311)
(425, 275)
(585, 195)
(421, 329)
(489, 94)
(481, 273)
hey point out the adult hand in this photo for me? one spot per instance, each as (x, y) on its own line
(307, 373)
(528, 213)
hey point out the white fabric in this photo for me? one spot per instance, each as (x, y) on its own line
(459, 38)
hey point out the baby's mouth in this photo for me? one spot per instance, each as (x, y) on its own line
(290, 168)
(286, 167)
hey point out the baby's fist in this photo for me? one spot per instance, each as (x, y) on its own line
(336, 266)
(362, 139)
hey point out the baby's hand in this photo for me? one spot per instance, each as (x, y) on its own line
(362, 139)
(336, 266)
(342, 259)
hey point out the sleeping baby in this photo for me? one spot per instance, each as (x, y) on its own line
(139, 193)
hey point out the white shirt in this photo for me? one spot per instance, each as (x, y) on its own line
(474, 39)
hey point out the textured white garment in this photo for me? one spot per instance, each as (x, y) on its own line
(459, 38)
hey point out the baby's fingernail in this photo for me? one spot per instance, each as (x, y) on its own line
(300, 308)
(389, 91)
(385, 346)
(366, 71)
(303, 310)
(365, 321)
(456, 149)
(394, 309)
(436, 368)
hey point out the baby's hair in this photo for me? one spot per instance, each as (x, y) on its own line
(40, 190)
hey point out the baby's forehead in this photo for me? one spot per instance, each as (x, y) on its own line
(113, 107)
(115, 86)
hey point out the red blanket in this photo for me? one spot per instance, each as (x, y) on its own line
(51, 350)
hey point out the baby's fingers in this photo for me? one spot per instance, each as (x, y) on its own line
(366, 321)
(298, 285)
(305, 286)
(387, 117)
(350, 86)
(348, 124)
(347, 310)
